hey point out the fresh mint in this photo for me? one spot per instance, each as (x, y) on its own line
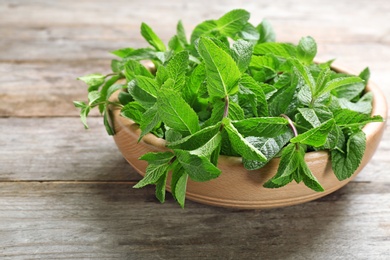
(230, 89)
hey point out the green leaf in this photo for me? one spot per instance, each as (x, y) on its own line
(249, 33)
(337, 83)
(261, 126)
(152, 175)
(150, 119)
(177, 68)
(232, 22)
(93, 80)
(116, 66)
(160, 187)
(195, 140)
(281, 99)
(181, 34)
(315, 137)
(194, 83)
(133, 68)
(149, 85)
(260, 101)
(270, 147)
(176, 113)
(140, 95)
(93, 97)
(303, 72)
(242, 54)
(292, 166)
(125, 98)
(157, 157)
(316, 116)
(240, 145)
(175, 45)
(266, 32)
(107, 122)
(365, 75)
(179, 184)
(307, 49)
(84, 111)
(283, 50)
(133, 111)
(222, 72)
(268, 61)
(122, 53)
(346, 162)
(288, 165)
(152, 38)
(209, 147)
(348, 118)
(199, 168)
(205, 28)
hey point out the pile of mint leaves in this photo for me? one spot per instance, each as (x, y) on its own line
(232, 90)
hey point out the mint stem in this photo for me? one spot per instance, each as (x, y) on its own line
(293, 128)
(226, 110)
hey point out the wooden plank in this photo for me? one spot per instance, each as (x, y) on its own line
(113, 221)
(59, 149)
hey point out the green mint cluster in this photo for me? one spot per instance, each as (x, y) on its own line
(232, 90)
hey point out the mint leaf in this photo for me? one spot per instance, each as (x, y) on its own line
(222, 72)
(337, 83)
(149, 85)
(270, 147)
(365, 75)
(205, 28)
(152, 38)
(210, 146)
(179, 184)
(240, 145)
(283, 50)
(181, 34)
(348, 118)
(261, 126)
(316, 116)
(122, 53)
(304, 73)
(306, 49)
(316, 136)
(93, 80)
(232, 22)
(258, 101)
(116, 66)
(249, 33)
(144, 98)
(107, 122)
(160, 187)
(176, 113)
(266, 32)
(133, 111)
(195, 140)
(292, 166)
(288, 165)
(346, 162)
(177, 68)
(150, 119)
(281, 99)
(133, 68)
(153, 174)
(268, 61)
(199, 168)
(242, 54)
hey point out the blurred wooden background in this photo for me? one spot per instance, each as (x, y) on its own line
(65, 193)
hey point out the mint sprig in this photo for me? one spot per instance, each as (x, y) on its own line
(232, 90)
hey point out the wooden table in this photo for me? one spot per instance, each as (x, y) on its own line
(65, 193)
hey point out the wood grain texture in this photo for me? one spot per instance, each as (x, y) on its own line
(59, 149)
(45, 45)
(112, 221)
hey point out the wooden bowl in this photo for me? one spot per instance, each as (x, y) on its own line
(237, 187)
